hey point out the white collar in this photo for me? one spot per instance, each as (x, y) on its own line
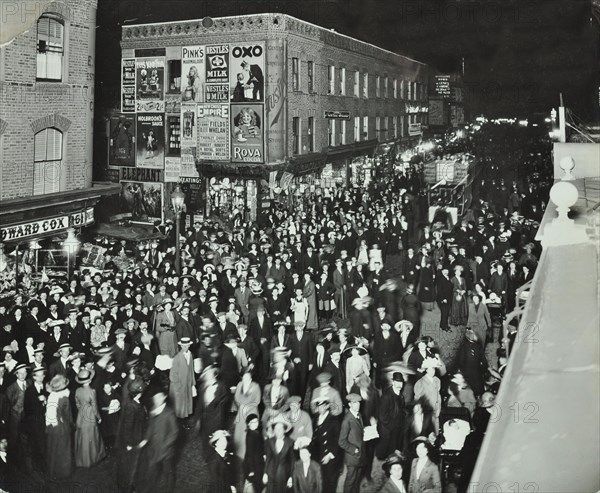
(158, 410)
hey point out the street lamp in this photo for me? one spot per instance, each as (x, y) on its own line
(71, 244)
(178, 201)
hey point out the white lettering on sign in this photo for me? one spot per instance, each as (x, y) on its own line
(34, 228)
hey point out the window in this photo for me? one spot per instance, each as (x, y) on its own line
(378, 127)
(295, 75)
(342, 132)
(342, 81)
(414, 91)
(311, 134)
(357, 84)
(296, 134)
(356, 128)
(331, 132)
(395, 89)
(174, 74)
(385, 129)
(50, 48)
(174, 136)
(377, 86)
(311, 77)
(410, 86)
(331, 79)
(365, 85)
(395, 124)
(47, 161)
(402, 126)
(401, 89)
(365, 129)
(385, 87)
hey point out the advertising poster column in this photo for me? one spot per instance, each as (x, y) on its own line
(275, 101)
(150, 85)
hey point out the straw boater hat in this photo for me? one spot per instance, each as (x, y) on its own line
(59, 382)
(84, 376)
(184, 341)
(65, 345)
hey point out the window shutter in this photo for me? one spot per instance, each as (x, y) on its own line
(40, 146)
(54, 144)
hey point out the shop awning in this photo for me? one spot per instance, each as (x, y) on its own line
(135, 232)
(352, 150)
(240, 170)
(306, 163)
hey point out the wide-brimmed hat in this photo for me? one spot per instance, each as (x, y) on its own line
(361, 350)
(59, 382)
(217, 435)
(120, 331)
(184, 341)
(65, 345)
(20, 366)
(85, 376)
(280, 419)
(395, 458)
(429, 362)
(135, 323)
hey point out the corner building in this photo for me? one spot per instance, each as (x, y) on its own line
(325, 103)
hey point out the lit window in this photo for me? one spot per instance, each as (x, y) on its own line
(331, 79)
(365, 85)
(342, 81)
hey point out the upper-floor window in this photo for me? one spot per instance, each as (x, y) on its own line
(331, 132)
(395, 88)
(356, 128)
(50, 48)
(342, 81)
(311, 76)
(342, 132)
(295, 74)
(365, 85)
(331, 79)
(296, 134)
(365, 129)
(357, 83)
(402, 95)
(311, 134)
(377, 86)
(385, 87)
(47, 161)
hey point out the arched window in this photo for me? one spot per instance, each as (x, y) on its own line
(47, 166)
(50, 48)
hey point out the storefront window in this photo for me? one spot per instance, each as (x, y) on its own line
(233, 201)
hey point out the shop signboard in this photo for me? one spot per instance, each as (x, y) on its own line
(275, 101)
(192, 74)
(128, 85)
(141, 174)
(213, 132)
(246, 73)
(337, 115)
(150, 141)
(122, 141)
(48, 225)
(141, 202)
(172, 169)
(247, 142)
(150, 85)
(414, 129)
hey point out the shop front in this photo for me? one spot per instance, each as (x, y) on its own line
(353, 164)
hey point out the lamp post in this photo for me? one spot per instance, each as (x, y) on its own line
(177, 201)
(71, 244)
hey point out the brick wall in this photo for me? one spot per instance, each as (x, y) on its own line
(27, 105)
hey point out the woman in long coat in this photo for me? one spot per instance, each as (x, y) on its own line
(280, 457)
(459, 312)
(247, 399)
(479, 319)
(426, 286)
(182, 380)
(59, 427)
(89, 447)
(165, 330)
(309, 292)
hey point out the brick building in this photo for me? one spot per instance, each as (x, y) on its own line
(46, 113)
(324, 101)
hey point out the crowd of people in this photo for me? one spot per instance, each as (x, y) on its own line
(284, 344)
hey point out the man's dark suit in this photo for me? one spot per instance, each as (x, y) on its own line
(34, 419)
(444, 300)
(325, 441)
(257, 79)
(351, 441)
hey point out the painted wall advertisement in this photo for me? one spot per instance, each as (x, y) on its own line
(246, 73)
(150, 140)
(141, 201)
(213, 132)
(275, 101)
(150, 84)
(192, 74)
(247, 144)
(128, 85)
(122, 141)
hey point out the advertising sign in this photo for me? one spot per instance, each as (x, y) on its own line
(275, 101)
(247, 144)
(192, 74)
(128, 85)
(50, 225)
(436, 112)
(216, 93)
(246, 79)
(150, 141)
(217, 64)
(172, 169)
(213, 132)
(337, 115)
(141, 202)
(122, 141)
(150, 85)
(414, 129)
(188, 164)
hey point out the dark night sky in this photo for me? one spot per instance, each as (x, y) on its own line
(519, 54)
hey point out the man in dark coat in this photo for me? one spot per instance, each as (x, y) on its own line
(444, 297)
(158, 455)
(213, 404)
(256, 78)
(301, 348)
(471, 361)
(391, 418)
(325, 447)
(34, 418)
(351, 441)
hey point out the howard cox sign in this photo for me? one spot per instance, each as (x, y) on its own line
(47, 226)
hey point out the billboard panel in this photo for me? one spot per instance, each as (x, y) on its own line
(246, 73)
(192, 74)
(150, 85)
(213, 132)
(275, 101)
(128, 85)
(122, 141)
(150, 141)
(247, 141)
(141, 201)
